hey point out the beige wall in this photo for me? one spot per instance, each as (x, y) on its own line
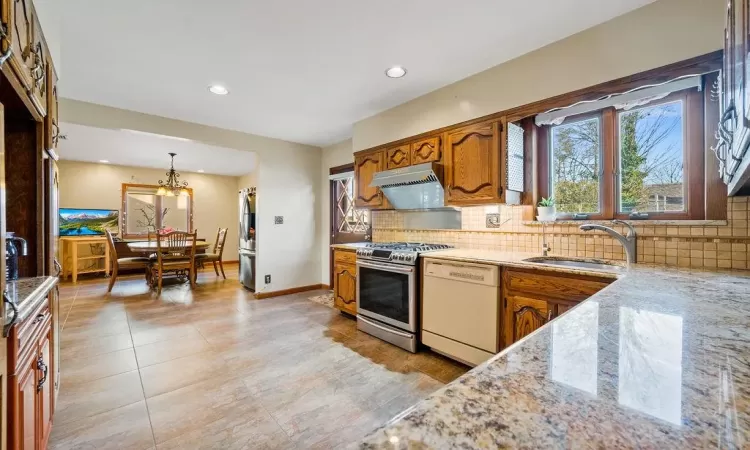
(288, 185)
(663, 32)
(87, 185)
(332, 156)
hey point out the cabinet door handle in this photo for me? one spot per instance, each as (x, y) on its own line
(37, 319)
(43, 367)
(549, 315)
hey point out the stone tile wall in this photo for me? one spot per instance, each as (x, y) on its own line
(710, 244)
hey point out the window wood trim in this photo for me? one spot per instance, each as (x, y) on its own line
(695, 148)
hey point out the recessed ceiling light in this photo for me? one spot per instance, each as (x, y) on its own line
(395, 72)
(104, 161)
(201, 170)
(218, 89)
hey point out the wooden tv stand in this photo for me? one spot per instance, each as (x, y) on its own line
(70, 257)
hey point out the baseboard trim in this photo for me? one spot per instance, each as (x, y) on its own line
(294, 290)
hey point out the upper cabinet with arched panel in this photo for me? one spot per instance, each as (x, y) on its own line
(472, 164)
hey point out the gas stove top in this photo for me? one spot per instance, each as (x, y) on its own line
(397, 252)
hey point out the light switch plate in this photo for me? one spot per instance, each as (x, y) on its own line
(278, 220)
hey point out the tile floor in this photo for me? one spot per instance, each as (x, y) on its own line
(216, 368)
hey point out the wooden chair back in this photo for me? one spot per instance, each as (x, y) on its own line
(176, 245)
(221, 238)
(112, 248)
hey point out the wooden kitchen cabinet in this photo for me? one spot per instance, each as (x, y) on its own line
(398, 157)
(734, 136)
(345, 281)
(31, 399)
(51, 121)
(365, 168)
(17, 45)
(45, 388)
(525, 316)
(26, 411)
(40, 56)
(426, 150)
(472, 165)
(533, 297)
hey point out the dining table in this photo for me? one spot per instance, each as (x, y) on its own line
(151, 247)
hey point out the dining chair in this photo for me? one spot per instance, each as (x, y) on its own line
(175, 252)
(216, 255)
(124, 263)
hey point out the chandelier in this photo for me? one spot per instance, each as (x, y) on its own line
(173, 186)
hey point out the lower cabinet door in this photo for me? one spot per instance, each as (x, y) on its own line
(44, 388)
(27, 404)
(345, 287)
(523, 316)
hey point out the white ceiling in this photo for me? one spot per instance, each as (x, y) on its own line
(298, 70)
(134, 148)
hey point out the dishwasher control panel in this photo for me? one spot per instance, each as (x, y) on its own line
(472, 273)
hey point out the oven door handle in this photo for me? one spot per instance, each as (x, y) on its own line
(386, 267)
(384, 328)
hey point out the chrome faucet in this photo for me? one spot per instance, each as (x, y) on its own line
(628, 241)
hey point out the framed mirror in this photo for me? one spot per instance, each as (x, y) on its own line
(144, 211)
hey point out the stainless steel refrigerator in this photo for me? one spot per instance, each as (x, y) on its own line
(247, 237)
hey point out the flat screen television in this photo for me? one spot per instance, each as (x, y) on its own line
(87, 222)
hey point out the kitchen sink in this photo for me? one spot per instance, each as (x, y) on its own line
(578, 263)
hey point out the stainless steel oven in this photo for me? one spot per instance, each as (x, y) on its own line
(387, 286)
(386, 292)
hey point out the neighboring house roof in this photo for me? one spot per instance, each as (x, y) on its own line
(665, 190)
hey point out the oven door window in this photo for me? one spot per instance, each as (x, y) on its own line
(384, 293)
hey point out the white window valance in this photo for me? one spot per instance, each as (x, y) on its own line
(636, 97)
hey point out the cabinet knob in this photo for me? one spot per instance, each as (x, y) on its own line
(38, 318)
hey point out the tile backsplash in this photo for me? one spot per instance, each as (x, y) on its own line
(708, 244)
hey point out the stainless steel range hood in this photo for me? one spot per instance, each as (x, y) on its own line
(414, 187)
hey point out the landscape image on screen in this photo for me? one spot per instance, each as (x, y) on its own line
(87, 222)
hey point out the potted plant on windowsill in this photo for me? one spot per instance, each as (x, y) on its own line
(546, 210)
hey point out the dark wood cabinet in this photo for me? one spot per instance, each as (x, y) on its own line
(532, 297)
(472, 165)
(398, 157)
(365, 167)
(426, 150)
(345, 281)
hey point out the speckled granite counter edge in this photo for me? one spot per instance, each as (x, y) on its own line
(30, 297)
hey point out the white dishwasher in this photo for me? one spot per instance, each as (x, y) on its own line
(461, 309)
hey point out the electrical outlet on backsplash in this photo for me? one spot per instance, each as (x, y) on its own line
(712, 244)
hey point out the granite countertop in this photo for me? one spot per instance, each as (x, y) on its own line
(351, 246)
(658, 359)
(26, 294)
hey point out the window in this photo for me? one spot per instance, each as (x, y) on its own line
(651, 159)
(348, 224)
(576, 162)
(145, 212)
(641, 157)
